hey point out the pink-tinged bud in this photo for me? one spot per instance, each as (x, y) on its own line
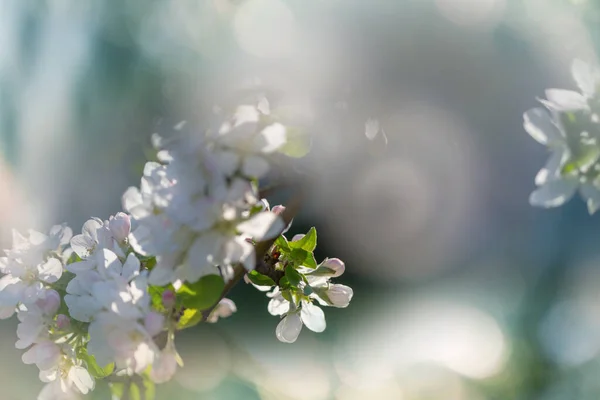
(63, 322)
(120, 226)
(168, 299)
(154, 323)
(339, 295)
(298, 237)
(50, 303)
(336, 265)
(278, 209)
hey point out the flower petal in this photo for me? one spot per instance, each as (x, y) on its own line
(289, 328)
(313, 317)
(565, 100)
(553, 193)
(538, 123)
(81, 378)
(262, 226)
(51, 270)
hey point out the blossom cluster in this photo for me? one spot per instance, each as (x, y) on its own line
(569, 126)
(105, 304)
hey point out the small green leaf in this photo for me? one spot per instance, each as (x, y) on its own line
(156, 293)
(297, 144)
(282, 243)
(286, 294)
(293, 276)
(191, 317)
(202, 294)
(303, 257)
(308, 242)
(94, 369)
(284, 283)
(259, 279)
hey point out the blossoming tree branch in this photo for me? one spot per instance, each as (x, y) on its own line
(106, 304)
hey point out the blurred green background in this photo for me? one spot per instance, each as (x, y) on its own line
(462, 290)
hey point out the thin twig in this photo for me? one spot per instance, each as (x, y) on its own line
(261, 248)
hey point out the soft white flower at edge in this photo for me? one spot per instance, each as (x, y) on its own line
(289, 327)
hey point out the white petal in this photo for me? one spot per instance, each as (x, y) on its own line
(238, 250)
(313, 317)
(585, 76)
(131, 268)
(82, 245)
(81, 378)
(133, 203)
(262, 226)
(553, 193)
(205, 252)
(161, 276)
(51, 270)
(6, 312)
(271, 138)
(90, 228)
(289, 328)
(538, 123)
(551, 170)
(591, 195)
(278, 305)
(565, 100)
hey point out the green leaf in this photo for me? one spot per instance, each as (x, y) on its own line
(202, 294)
(284, 284)
(282, 243)
(156, 293)
(191, 317)
(308, 242)
(303, 257)
(298, 143)
(293, 276)
(259, 279)
(94, 369)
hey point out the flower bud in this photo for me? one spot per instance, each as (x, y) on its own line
(278, 209)
(50, 303)
(336, 265)
(120, 226)
(63, 322)
(168, 299)
(339, 295)
(154, 323)
(224, 309)
(298, 237)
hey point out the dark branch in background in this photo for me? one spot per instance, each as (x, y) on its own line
(260, 250)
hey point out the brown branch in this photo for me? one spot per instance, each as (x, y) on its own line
(260, 250)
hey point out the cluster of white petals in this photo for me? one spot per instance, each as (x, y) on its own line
(108, 301)
(192, 210)
(570, 128)
(298, 311)
(32, 268)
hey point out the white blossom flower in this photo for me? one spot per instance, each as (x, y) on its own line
(290, 326)
(30, 266)
(193, 211)
(119, 339)
(66, 379)
(97, 235)
(573, 163)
